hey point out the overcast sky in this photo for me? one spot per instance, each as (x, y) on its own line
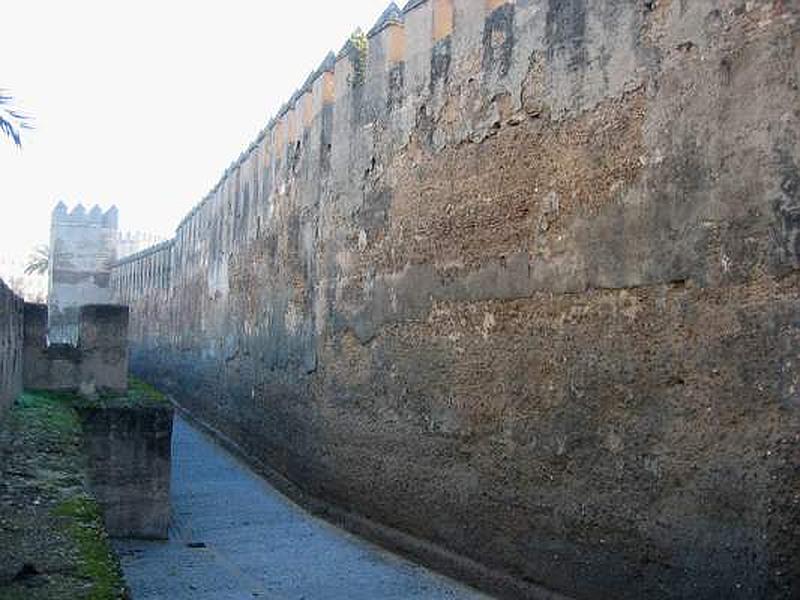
(144, 103)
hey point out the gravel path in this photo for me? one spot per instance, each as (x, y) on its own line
(235, 537)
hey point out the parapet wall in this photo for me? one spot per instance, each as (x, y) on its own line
(520, 280)
(11, 323)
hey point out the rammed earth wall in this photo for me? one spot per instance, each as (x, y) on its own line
(11, 342)
(527, 290)
(99, 361)
(129, 450)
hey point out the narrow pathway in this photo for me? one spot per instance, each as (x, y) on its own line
(235, 537)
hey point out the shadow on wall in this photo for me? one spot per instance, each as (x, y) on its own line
(99, 363)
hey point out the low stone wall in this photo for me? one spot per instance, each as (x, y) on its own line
(129, 451)
(98, 363)
(11, 316)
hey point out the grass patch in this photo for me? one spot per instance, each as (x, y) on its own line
(96, 561)
(46, 415)
(48, 519)
(139, 395)
(144, 393)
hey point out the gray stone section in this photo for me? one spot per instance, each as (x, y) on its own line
(83, 249)
(234, 537)
(11, 345)
(129, 451)
(98, 362)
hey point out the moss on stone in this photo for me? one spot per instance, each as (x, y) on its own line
(144, 393)
(96, 561)
(53, 544)
(359, 55)
(139, 395)
(47, 414)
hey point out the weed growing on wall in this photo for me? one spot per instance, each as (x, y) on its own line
(358, 56)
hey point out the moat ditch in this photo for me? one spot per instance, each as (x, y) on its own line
(234, 536)
(230, 534)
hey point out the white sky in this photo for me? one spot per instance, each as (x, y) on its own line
(144, 103)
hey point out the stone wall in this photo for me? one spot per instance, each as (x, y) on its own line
(520, 281)
(83, 248)
(129, 451)
(97, 363)
(11, 318)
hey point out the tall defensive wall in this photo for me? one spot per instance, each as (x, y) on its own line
(514, 286)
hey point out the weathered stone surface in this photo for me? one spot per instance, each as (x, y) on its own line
(103, 343)
(11, 343)
(99, 361)
(538, 307)
(129, 449)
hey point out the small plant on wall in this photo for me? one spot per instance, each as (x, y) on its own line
(358, 56)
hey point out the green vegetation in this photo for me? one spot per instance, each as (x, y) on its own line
(96, 561)
(144, 393)
(39, 261)
(359, 56)
(47, 415)
(52, 541)
(140, 395)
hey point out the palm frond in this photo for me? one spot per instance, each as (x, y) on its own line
(12, 121)
(37, 267)
(39, 261)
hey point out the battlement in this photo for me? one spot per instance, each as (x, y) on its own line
(132, 243)
(145, 270)
(80, 216)
(391, 16)
(417, 34)
(166, 245)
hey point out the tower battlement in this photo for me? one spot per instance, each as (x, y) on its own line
(80, 216)
(83, 248)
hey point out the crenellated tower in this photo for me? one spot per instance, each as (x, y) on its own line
(83, 248)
